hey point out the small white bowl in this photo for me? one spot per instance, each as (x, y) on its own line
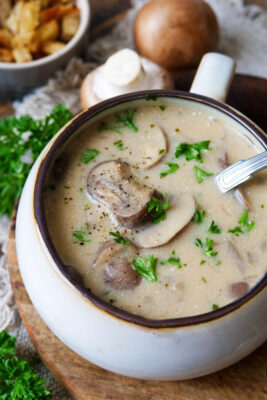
(17, 79)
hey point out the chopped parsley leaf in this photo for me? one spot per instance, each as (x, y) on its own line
(199, 215)
(262, 205)
(151, 96)
(82, 235)
(244, 224)
(119, 239)
(200, 173)
(161, 151)
(215, 307)
(173, 261)
(162, 108)
(213, 228)
(89, 155)
(202, 262)
(123, 119)
(157, 209)
(146, 267)
(207, 247)
(172, 168)
(173, 252)
(192, 151)
(177, 130)
(105, 127)
(218, 262)
(126, 117)
(119, 144)
(204, 279)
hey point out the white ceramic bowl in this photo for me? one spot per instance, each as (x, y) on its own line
(105, 335)
(17, 79)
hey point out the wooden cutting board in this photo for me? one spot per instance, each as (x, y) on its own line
(246, 380)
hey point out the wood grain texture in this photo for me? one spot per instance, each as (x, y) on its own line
(245, 380)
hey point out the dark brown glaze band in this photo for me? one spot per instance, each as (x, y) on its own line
(75, 279)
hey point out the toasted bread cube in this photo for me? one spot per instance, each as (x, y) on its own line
(6, 55)
(52, 47)
(56, 12)
(5, 8)
(48, 31)
(24, 17)
(70, 25)
(22, 55)
(5, 38)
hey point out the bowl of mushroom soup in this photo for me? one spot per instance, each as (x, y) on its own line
(144, 267)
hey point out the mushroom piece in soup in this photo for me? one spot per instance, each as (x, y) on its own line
(132, 206)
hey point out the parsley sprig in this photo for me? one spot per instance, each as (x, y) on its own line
(192, 151)
(82, 235)
(119, 144)
(119, 239)
(22, 139)
(123, 119)
(172, 168)
(201, 174)
(207, 246)
(146, 267)
(88, 155)
(199, 215)
(244, 224)
(213, 228)
(18, 381)
(157, 209)
(174, 261)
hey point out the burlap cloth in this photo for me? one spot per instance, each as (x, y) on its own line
(243, 36)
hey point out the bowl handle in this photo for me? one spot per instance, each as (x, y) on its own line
(214, 76)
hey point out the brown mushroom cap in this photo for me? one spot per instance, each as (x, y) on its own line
(116, 259)
(112, 184)
(175, 33)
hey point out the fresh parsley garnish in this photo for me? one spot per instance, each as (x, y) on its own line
(18, 381)
(161, 151)
(244, 224)
(88, 155)
(119, 144)
(213, 228)
(157, 209)
(202, 262)
(126, 118)
(82, 235)
(123, 119)
(200, 173)
(119, 239)
(162, 108)
(199, 215)
(151, 96)
(207, 246)
(146, 267)
(22, 139)
(215, 307)
(204, 279)
(173, 261)
(192, 151)
(172, 168)
(115, 128)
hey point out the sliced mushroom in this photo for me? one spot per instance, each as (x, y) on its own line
(156, 150)
(178, 215)
(238, 289)
(112, 184)
(239, 194)
(116, 259)
(239, 261)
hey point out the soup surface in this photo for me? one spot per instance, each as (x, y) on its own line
(132, 206)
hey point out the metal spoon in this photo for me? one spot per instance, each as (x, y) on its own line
(240, 172)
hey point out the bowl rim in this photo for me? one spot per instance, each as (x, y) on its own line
(85, 8)
(75, 279)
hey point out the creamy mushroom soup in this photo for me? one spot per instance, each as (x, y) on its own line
(132, 206)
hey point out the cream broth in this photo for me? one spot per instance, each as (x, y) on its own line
(203, 280)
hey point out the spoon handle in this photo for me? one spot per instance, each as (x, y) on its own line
(240, 172)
